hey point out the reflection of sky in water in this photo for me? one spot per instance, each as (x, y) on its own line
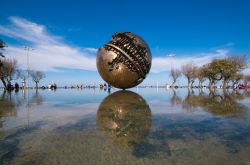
(186, 127)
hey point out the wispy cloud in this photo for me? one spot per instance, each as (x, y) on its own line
(51, 52)
(230, 44)
(160, 64)
(247, 70)
(94, 50)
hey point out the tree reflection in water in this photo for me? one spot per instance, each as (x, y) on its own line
(175, 99)
(7, 108)
(7, 105)
(225, 104)
(36, 99)
(9, 102)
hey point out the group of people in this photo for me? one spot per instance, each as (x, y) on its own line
(53, 86)
(10, 87)
(105, 87)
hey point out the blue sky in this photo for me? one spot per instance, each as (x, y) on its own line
(66, 34)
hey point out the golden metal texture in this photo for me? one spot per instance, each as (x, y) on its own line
(124, 61)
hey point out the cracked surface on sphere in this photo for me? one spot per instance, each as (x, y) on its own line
(124, 61)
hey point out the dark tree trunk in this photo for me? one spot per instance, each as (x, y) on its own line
(192, 82)
(4, 83)
(173, 83)
(210, 83)
(189, 82)
(200, 83)
(36, 85)
(224, 84)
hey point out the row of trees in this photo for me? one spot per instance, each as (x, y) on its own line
(226, 70)
(9, 70)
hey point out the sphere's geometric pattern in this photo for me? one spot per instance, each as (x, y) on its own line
(124, 61)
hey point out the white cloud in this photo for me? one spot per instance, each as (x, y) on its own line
(171, 55)
(247, 71)
(160, 64)
(50, 52)
(230, 44)
(94, 50)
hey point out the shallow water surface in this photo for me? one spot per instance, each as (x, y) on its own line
(140, 126)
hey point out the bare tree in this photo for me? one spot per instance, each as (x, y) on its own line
(189, 71)
(175, 74)
(9, 71)
(194, 75)
(37, 76)
(201, 75)
(246, 79)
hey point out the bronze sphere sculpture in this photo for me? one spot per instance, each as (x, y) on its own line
(124, 61)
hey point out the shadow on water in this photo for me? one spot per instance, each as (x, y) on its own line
(9, 145)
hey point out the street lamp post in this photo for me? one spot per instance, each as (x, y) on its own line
(28, 49)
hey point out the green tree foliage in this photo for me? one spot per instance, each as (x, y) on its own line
(211, 74)
(225, 69)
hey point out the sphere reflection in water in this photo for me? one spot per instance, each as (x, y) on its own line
(125, 117)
